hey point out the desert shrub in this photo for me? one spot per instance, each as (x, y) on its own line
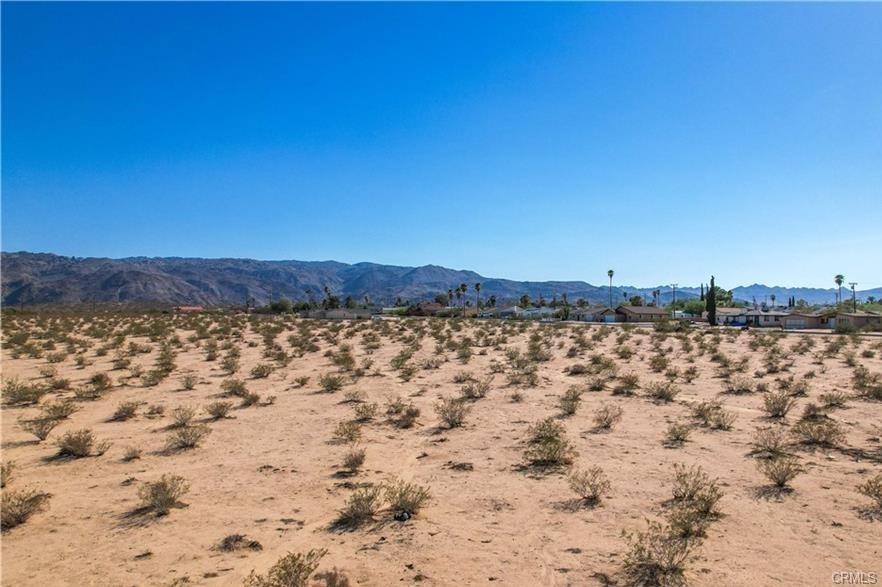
(476, 389)
(347, 431)
(404, 497)
(230, 364)
(162, 495)
(834, 399)
(547, 445)
(100, 381)
(125, 411)
(235, 542)
(354, 395)
(153, 377)
(658, 363)
(769, 443)
(695, 489)
(261, 371)
(59, 410)
(662, 391)
(131, 453)
(677, 433)
(234, 387)
(292, 570)
(6, 470)
(182, 416)
(657, 557)
(365, 412)
(16, 393)
(301, 381)
(705, 410)
(155, 410)
(353, 459)
(189, 382)
(589, 485)
(19, 505)
(361, 506)
(39, 427)
(606, 416)
(569, 401)
(330, 382)
(739, 385)
(452, 411)
(249, 398)
(690, 374)
(628, 384)
(218, 410)
(722, 420)
(819, 432)
(186, 437)
(872, 488)
(80, 443)
(781, 470)
(778, 403)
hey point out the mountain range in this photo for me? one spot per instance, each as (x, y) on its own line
(44, 278)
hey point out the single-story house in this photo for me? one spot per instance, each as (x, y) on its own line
(727, 316)
(858, 320)
(595, 314)
(642, 314)
(505, 312)
(543, 312)
(765, 318)
(799, 320)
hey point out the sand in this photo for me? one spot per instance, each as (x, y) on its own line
(273, 472)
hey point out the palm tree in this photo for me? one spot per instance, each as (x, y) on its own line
(477, 297)
(458, 292)
(610, 273)
(839, 280)
(449, 297)
(773, 300)
(463, 288)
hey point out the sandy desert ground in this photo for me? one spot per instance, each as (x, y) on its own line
(272, 470)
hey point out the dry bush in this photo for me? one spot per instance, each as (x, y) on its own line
(6, 470)
(778, 403)
(301, 381)
(19, 505)
(234, 387)
(16, 393)
(162, 495)
(739, 385)
(132, 453)
(361, 507)
(292, 570)
(589, 485)
(704, 411)
(347, 431)
(189, 382)
(628, 384)
(722, 420)
(39, 427)
(452, 411)
(354, 459)
(405, 498)
(570, 400)
(59, 410)
(79, 444)
(547, 445)
(186, 437)
(218, 410)
(769, 443)
(781, 470)
(657, 557)
(124, 411)
(607, 416)
(182, 416)
(823, 432)
(235, 542)
(658, 363)
(696, 490)
(330, 382)
(365, 412)
(474, 390)
(677, 434)
(872, 488)
(663, 391)
(834, 399)
(261, 371)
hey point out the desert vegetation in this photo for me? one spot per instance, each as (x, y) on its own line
(383, 452)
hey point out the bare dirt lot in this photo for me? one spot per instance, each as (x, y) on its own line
(551, 453)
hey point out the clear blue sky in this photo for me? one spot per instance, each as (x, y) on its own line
(529, 141)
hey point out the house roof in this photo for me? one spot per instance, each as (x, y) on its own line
(645, 310)
(766, 313)
(731, 311)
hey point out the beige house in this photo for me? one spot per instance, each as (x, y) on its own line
(858, 320)
(642, 314)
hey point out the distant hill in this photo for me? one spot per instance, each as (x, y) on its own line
(43, 278)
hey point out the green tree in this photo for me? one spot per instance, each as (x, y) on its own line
(281, 306)
(525, 301)
(636, 301)
(477, 296)
(711, 303)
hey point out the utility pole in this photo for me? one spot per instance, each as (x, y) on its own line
(853, 298)
(674, 302)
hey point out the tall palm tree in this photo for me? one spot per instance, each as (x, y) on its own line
(463, 288)
(773, 300)
(839, 280)
(449, 297)
(610, 273)
(477, 297)
(458, 291)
